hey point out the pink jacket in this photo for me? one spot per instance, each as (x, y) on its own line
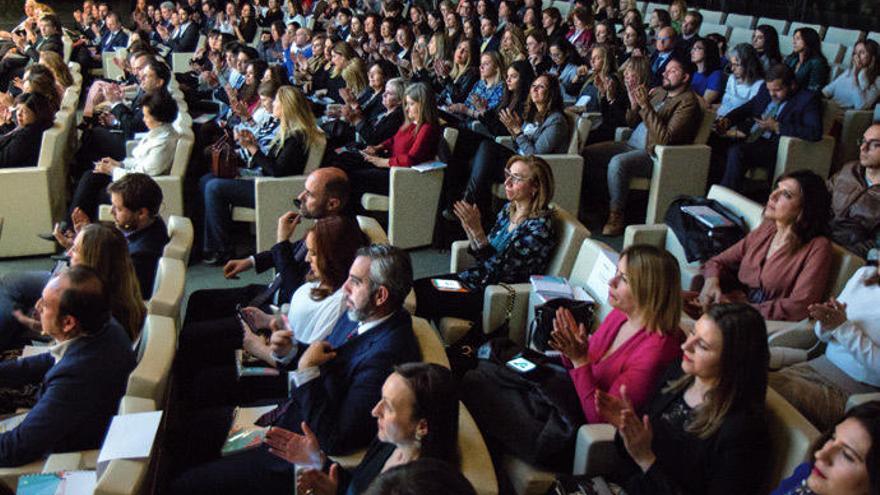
(638, 363)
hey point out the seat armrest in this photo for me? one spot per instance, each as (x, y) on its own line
(495, 309)
(129, 146)
(506, 141)
(798, 335)
(622, 133)
(859, 399)
(459, 258)
(781, 357)
(131, 405)
(655, 235)
(594, 451)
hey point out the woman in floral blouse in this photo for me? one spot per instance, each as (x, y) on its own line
(519, 244)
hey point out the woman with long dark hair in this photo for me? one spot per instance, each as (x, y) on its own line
(765, 40)
(708, 80)
(782, 266)
(705, 430)
(859, 86)
(810, 67)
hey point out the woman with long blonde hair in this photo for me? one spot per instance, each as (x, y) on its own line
(59, 69)
(287, 154)
(513, 45)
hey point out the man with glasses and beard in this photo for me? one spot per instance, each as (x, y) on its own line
(334, 385)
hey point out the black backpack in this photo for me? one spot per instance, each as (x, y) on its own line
(699, 240)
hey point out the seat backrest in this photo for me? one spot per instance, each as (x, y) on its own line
(740, 21)
(739, 35)
(843, 265)
(429, 343)
(833, 52)
(316, 154)
(786, 44)
(182, 153)
(780, 25)
(570, 233)
(794, 26)
(708, 28)
(874, 35)
(168, 288)
(180, 234)
(476, 464)
(712, 16)
(158, 343)
(791, 436)
(751, 212)
(846, 37)
(52, 144)
(70, 98)
(830, 112)
(588, 254)
(705, 129)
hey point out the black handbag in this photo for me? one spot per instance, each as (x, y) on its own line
(463, 353)
(541, 326)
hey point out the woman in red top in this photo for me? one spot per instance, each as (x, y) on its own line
(635, 342)
(416, 142)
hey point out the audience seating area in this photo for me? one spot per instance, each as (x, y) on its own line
(34, 199)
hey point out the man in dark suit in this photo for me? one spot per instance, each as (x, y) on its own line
(664, 46)
(111, 38)
(335, 384)
(490, 34)
(779, 109)
(28, 48)
(368, 125)
(690, 32)
(185, 35)
(82, 377)
(136, 199)
(211, 332)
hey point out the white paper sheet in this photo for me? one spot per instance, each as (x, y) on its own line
(130, 436)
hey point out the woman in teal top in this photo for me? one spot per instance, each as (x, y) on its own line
(807, 62)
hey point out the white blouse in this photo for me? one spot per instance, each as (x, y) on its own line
(153, 154)
(848, 95)
(854, 346)
(313, 320)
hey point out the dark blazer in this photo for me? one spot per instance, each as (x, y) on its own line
(734, 460)
(131, 119)
(357, 480)
(187, 41)
(283, 161)
(458, 90)
(656, 78)
(494, 42)
(145, 247)
(801, 117)
(21, 147)
(376, 131)
(52, 43)
(289, 261)
(111, 41)
(77, 399)
(337, 404)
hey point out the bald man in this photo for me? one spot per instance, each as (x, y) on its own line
(664, 45)
(211, 331)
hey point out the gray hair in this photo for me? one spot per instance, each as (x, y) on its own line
(167, 5)
(398, 85)
(390, 267)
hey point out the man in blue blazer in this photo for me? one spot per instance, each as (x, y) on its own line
(334, 385)
(779, 109)
(83, 375)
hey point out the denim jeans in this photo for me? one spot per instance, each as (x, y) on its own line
(220, 196)
(18, 290)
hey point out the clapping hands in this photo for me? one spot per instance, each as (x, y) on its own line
(637, 433)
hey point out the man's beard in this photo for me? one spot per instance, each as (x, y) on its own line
(361, 314)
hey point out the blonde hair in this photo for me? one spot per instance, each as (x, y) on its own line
(355, 76)
(296, 117)
(499, 65)
(422, 94)
(458, 70)
(56, 64)
(519, 51)
(542, 178)
(344, 49)
(640, 66)
(441, 43)
(655, 283)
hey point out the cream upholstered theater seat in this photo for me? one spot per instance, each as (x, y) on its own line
(568, 167)
(180, 238)
(570, 234)
(430, 344)
(855, 123)
(412, 201)
(780, 25)
(33, 198)
(739, 21)
(859, 399)
(661, 236)
(791, 436)
(168, 289)
(679, 169)
(274, 197)
(156, 350)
